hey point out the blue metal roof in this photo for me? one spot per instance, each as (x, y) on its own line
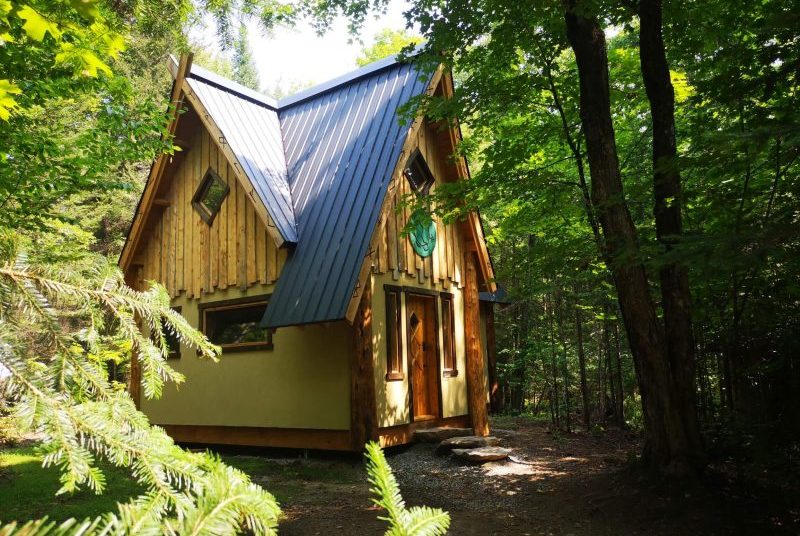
(341, 148)
(341, 141)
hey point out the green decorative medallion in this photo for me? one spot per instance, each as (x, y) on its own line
(423, 234)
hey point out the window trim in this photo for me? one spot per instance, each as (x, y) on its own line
(205, 214)
(448, 303)
(236, 303)
(394, 370)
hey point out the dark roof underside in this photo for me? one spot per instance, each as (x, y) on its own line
(341, 147)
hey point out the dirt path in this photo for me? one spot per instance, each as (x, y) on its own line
(570, 485)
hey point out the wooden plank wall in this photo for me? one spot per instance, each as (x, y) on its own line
(391, 252)
(184, 253)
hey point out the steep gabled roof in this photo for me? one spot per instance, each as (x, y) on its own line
(342, 141)
(250, 126)
(317, 163)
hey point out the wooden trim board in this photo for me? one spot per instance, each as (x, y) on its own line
(294, 438)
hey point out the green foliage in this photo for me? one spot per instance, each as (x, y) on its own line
(244, 68)
(387, 43)
(414, 521)
(57, 333)
(70, 125)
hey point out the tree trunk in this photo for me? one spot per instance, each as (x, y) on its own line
(554, 398)
(620, 396)
(582, 365)
(667, 447)
(564, 368)
(674, 276)
(476, 381)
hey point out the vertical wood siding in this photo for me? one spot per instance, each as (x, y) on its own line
(188, 256)
(393, 253)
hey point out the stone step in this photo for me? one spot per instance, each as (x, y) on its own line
(440, 433)
(466, 442)
(482, 454)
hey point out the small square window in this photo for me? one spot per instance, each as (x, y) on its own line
(209, 196)
(418, 173)
(234, 325)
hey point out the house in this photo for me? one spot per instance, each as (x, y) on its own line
(278, 232)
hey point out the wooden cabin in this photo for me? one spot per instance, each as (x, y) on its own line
(278, 232)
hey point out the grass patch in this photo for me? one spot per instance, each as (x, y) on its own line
(288, 479)
(28, 490)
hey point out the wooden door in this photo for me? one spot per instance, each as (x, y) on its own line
(423, 359)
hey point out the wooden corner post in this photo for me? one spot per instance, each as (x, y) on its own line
(363, 406)
(476, 383)
(133, 278)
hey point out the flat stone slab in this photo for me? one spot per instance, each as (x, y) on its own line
(482, 454)
(435, 435)
(466, 442)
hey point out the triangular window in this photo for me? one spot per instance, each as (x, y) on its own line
(209, 196)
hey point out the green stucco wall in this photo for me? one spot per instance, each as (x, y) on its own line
(304, 382)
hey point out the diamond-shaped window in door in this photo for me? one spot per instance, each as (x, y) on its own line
(413, 322)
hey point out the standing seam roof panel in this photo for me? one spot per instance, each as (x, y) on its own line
(345, 226)
(364, 113)
(337, 199)
(305, 191)
(382, 158)
(253, 133)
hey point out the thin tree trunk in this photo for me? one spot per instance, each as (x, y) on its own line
(554, 399)
(582, 365)
(564, 367)
(667, 447)
(608, 363)
(620, 396)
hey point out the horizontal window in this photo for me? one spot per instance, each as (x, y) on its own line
(234, 325)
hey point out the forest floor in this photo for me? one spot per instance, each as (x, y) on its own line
(569, 484)
(576, 484)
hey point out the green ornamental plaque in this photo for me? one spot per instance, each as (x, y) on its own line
(423, 233)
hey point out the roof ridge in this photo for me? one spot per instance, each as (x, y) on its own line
(333, 83)
(231, 86)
